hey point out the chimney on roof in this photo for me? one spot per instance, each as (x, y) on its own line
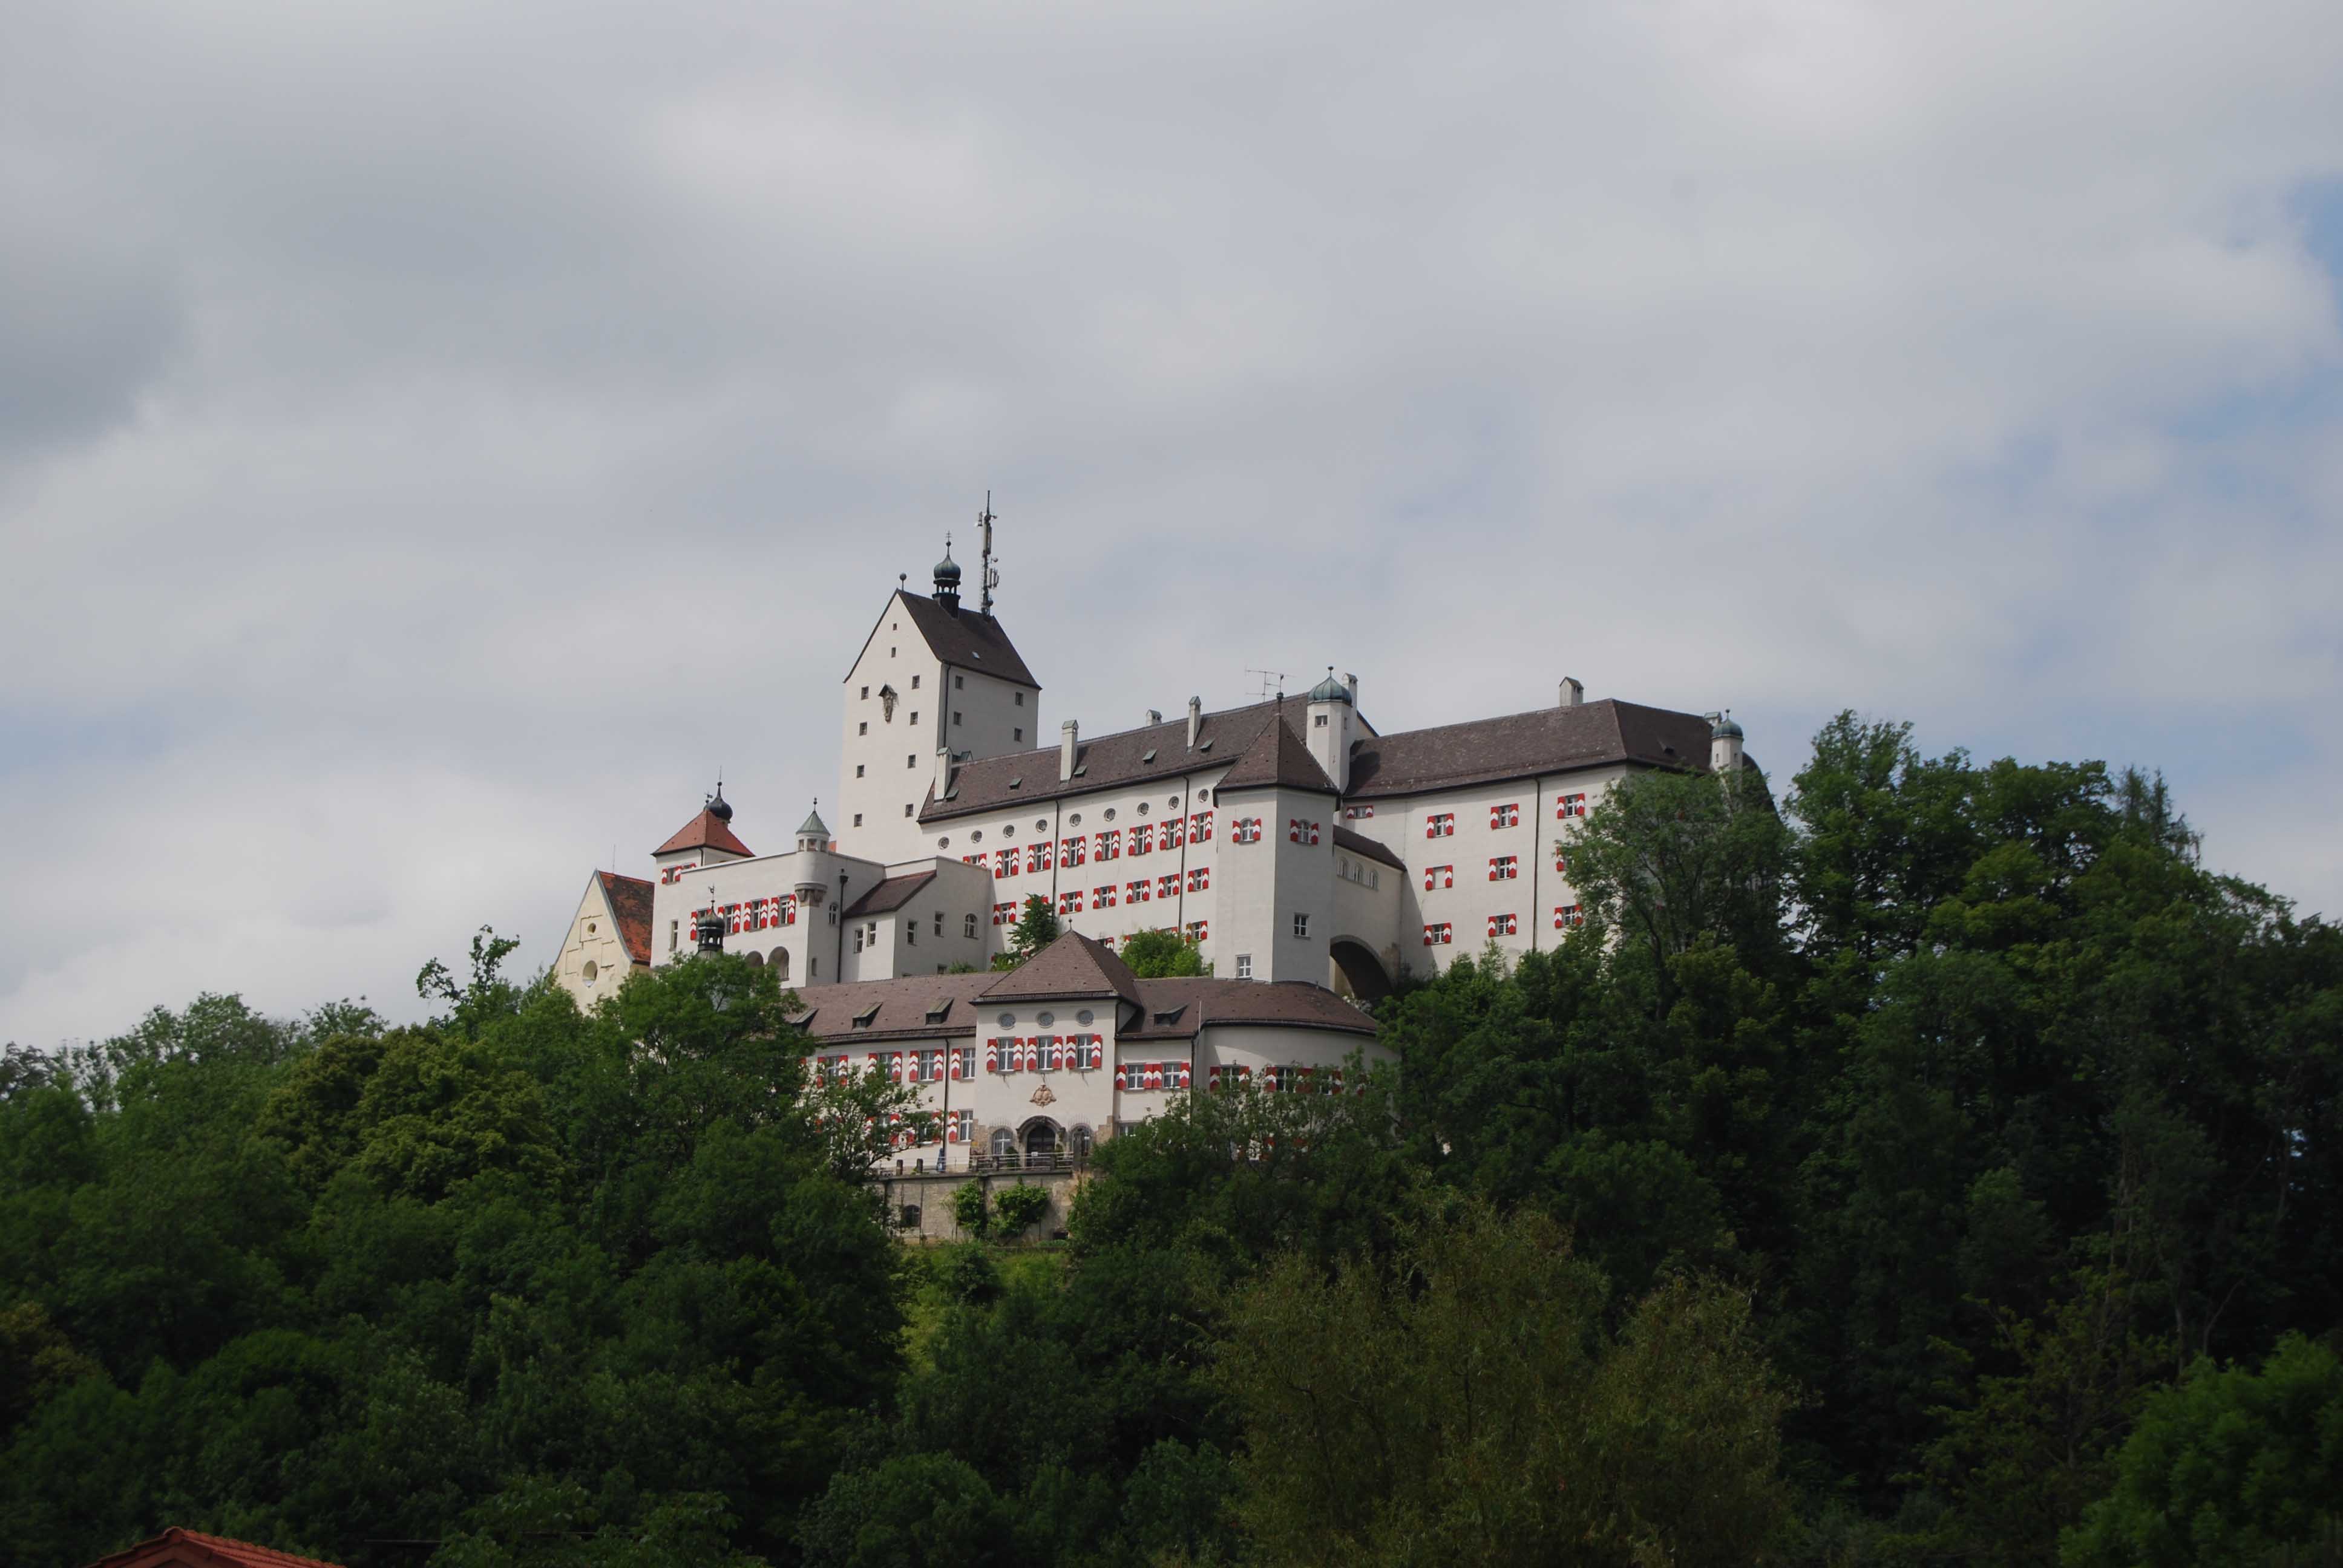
(1352, 681)
(1154, 716)
(943, 771)
(1069, 736)
(1572, 693)
(1195, 719)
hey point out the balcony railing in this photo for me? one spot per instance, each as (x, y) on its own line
(1060, 1161)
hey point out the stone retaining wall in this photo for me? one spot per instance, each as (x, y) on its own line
(930, 1193)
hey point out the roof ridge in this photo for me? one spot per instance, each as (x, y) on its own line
(1278, 755)
(714, 832)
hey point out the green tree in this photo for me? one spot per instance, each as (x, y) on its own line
(1463, 1402)
(1036, 929)
(1018, 1206)
(487, 995)
(971, 1211)
(2231, 1467)
(1154, 955)
(907, 1512)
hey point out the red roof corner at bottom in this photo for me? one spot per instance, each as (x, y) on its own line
(177, 1548)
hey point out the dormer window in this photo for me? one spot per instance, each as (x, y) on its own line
(867, 1016)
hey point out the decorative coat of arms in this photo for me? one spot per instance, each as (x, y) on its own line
(1042, 1096)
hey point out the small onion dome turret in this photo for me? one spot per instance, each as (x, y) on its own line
(717, 807)
(1724, 730)
(948, 570)
(1330, 689)
(707, 931)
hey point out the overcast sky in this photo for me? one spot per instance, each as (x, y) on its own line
(434, 437)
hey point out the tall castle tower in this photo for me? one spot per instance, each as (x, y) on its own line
(936, 684)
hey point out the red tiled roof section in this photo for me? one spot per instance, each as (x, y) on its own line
(1277, 757)
(968, 641)
(1523, 745)
(705, 831)
(891, 894)
(1360, 844)
(1073, 965)
(177, 1548)
(631, 906)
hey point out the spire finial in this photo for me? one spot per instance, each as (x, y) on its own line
(987, 579)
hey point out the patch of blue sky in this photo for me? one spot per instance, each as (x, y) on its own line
(34, 742)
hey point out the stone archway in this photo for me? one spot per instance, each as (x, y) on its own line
(1041, 1137)
(1357, 971)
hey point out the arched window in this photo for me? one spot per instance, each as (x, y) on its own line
(1004, 1143)
(1078, 1141)
(781, 962)
(756, 960)
(1041, 1137)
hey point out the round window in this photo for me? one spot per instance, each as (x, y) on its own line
(1085, 1016)
(589, 928)
(944, 843)
(589, 971)
(1046, 1019)
(977, 837)
(1075, 821)
(1172, 804)
(1142, 808)
(1109, 813)
(1204, 797)
(1042, 825)
(1007, 1021)
(1009, 830)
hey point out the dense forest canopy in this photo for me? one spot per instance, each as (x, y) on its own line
(1939, 1164)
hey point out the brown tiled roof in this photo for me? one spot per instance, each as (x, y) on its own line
(631, 906)
(705, 831)
(1073, 965)
(967, 1001)
(891, 894)
(1199, 1000)
(904, 1005)
(1360, 844)
(1278, 755)
(966, 641)
(1153, 751)
(176, 1547)
(1523, 745)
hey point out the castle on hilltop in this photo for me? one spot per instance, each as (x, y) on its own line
(1307, 856)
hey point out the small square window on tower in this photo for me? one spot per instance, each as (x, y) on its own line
(1301, 924)
(1244, 966)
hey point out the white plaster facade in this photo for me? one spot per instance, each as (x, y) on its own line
(1055, 1057)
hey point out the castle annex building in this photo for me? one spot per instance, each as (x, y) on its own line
(1309, 857)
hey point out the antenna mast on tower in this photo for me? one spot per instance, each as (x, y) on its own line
(987, 579)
